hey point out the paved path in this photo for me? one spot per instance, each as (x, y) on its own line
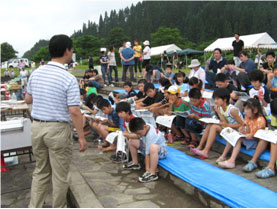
(115, 187)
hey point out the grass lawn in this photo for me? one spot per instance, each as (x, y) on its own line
(81, 68)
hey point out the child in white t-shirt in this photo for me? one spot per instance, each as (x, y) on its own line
(153, 145)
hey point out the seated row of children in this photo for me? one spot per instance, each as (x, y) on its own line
(168, 100)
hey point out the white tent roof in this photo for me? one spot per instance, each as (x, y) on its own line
(157, 51)
(250, 41)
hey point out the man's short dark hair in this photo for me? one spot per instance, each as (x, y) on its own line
(144, 81)
(195, 93)
(237, 34)
(123, 107)
(218, 49)
(220, 77)
(256, 75)
(103, 103)
(164, 81)
(95, 71)
(148, 86)
(136, 124)
(222, 93)
(128, 83)
(244, 52)
(273, 107)
(58, 45)
(270, 52)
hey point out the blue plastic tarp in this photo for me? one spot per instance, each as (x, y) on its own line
(232, 189)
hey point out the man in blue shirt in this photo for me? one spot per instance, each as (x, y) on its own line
(246, 66)
(127, 56)
(216, 64)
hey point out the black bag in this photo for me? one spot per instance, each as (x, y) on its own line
(193, 125)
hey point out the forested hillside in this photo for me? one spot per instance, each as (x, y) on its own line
(192, 24)
(199, 21)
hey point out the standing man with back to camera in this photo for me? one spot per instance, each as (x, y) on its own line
(55, 97)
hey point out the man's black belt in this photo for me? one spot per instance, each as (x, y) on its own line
(48, 121)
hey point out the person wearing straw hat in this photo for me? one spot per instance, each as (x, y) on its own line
(197, 71)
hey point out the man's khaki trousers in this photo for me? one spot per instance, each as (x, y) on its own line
(52, 148)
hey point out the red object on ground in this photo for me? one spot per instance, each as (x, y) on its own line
(3, 165)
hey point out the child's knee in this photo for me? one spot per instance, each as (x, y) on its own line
(154, 148)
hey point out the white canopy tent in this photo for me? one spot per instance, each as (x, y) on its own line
(157, 51)
(259, 40)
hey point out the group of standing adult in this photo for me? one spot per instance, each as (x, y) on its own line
(132, 58)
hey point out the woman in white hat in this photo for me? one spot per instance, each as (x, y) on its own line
(146, 55)
(197, 71)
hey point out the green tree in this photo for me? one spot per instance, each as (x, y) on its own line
(41, 43)
(115, 37)
(165, 36)
(7, 52)
(86, 46)
(41, 54)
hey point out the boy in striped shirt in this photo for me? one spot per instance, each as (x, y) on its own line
(199, 108)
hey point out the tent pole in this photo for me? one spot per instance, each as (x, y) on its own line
(186, 61)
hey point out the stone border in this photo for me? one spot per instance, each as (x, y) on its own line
(197, 194)
(80, 194)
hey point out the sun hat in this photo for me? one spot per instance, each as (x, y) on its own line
(173, 90)
(194, 63)
(146, 43)
(128, 44)
(103, 50)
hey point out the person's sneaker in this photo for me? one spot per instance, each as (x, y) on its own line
(250, 167)
(265, 173)
(149, 178)
(146, 173)
(111, 85)
(132, 166)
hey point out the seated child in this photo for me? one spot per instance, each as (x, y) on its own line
(128, 87)
(84, 80)
(269, 171)
(153, 145)
(222, 82)
(113, 123)
(96, 80)
(259, 90)
(161, 108)
(169, 74)
(153, 96)
(229, 116)
(179, 82)
(163, 83)
(195, 82)
(200, 108)
(123, 110)
(268, 66)
(254, 120)
(176, 104)
(114, 97)
(152, 73)
(141, 94)
(272, 82)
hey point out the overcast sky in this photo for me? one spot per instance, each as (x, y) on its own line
(24, 22)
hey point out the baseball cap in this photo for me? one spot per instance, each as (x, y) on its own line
(173, 90)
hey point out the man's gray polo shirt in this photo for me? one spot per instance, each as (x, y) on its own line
(53, 90)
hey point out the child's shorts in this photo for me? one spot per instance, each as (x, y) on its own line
(250, 143)
(180, 122)
(163, 153)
